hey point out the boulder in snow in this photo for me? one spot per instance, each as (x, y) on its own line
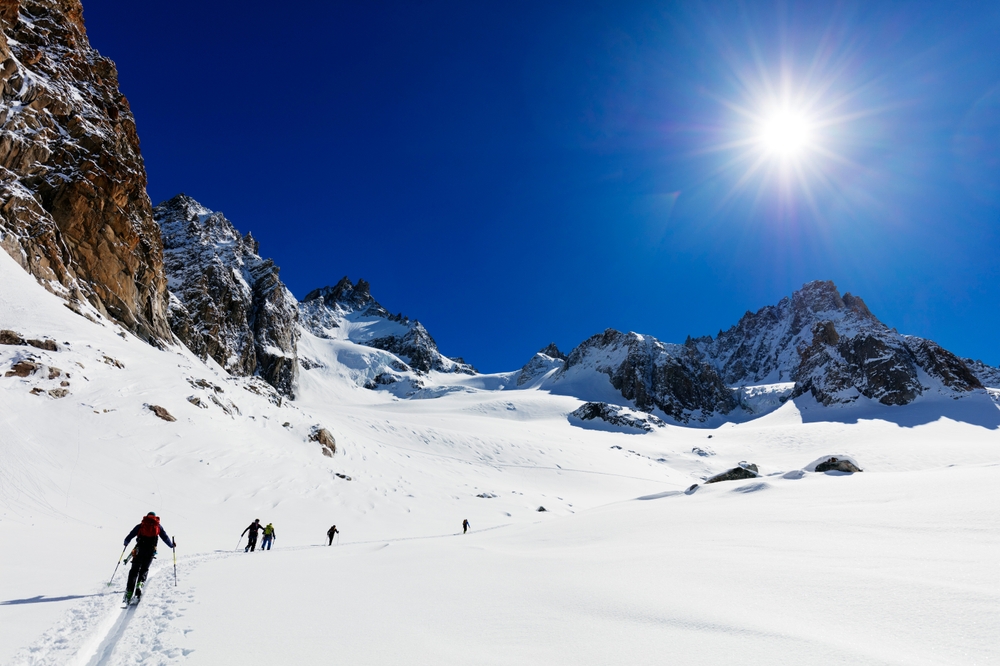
(325, 439)
(834, 464)
(161, 412)
(22, 369)
(743, 471)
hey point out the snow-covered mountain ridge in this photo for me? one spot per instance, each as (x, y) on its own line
(228, 303)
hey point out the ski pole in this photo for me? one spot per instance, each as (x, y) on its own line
(239, 542)
(118, 565)
(175, 562)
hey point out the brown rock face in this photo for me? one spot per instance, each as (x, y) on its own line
(73, 205)
(325, 439)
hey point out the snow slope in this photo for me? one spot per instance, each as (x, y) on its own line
(894, 565)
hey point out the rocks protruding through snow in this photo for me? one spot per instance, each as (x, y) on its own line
(618, 417)
(743, 471)
(834, 464)
(8, 337)
(23, 369)
(325, 439)
(161, 412)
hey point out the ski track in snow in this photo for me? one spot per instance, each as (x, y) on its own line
(97, 631)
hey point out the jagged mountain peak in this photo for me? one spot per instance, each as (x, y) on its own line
(227, 302)
(352, 296)
(348, 311)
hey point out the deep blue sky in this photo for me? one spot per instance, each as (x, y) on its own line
(515, 173)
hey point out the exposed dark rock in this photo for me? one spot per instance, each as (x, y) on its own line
(325, 439)
(58, 393)
(655, 375)
(161, 412)
(541, 508)
(11, 338)
(617, 415)
(838, 465)
(23, 369)
(833, 348)
(227, 302)
(73, 205)
(743, 471)
(941, 363)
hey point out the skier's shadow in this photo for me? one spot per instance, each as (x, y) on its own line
(42, 599)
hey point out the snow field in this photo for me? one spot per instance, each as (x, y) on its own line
(895, 565)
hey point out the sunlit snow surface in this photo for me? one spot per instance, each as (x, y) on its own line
(894, 565)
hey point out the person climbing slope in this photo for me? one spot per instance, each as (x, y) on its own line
(145, 534)
(332, 532)
(269, 536)
(465, 526)
(253, 528)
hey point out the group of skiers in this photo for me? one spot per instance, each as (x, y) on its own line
(252, 529)
(149, 530)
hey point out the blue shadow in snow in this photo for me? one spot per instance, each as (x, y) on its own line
(975, 408)
(42, 599)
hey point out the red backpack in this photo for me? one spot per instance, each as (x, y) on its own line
(150, 527)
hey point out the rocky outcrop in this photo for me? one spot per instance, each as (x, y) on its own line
(73, 205)
(227, 303)
(833, 348)
(656, 375)
(986, 374)
(940, 363)
(323, 437)
(325, 310)
(541, 364)
(743, 471)
(621, 418)
(834, 464)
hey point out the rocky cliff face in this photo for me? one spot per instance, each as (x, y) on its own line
(227, 302)
(834, 348)
(824, 344)
(73, 204)
(655, 375)
(352, 306)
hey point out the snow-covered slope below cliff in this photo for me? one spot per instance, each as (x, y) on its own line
(598, 576)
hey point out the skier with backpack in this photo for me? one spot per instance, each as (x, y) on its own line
(269, 536)
(252, 537)
(332, 532)
(145, 534)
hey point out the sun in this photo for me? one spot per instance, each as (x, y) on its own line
(785, 134)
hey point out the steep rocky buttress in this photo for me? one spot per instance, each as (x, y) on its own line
(73, 205)
(227, 302)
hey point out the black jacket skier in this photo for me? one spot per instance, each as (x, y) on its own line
(332, 532)
(252, 537)
(465, 526)
(145, 534)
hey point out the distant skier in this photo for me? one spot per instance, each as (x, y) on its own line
(252, 537)
(332, 532)
(269, 536)
(465, 526)
(145, 533)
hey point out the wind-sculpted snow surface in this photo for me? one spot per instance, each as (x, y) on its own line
(227, 303)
